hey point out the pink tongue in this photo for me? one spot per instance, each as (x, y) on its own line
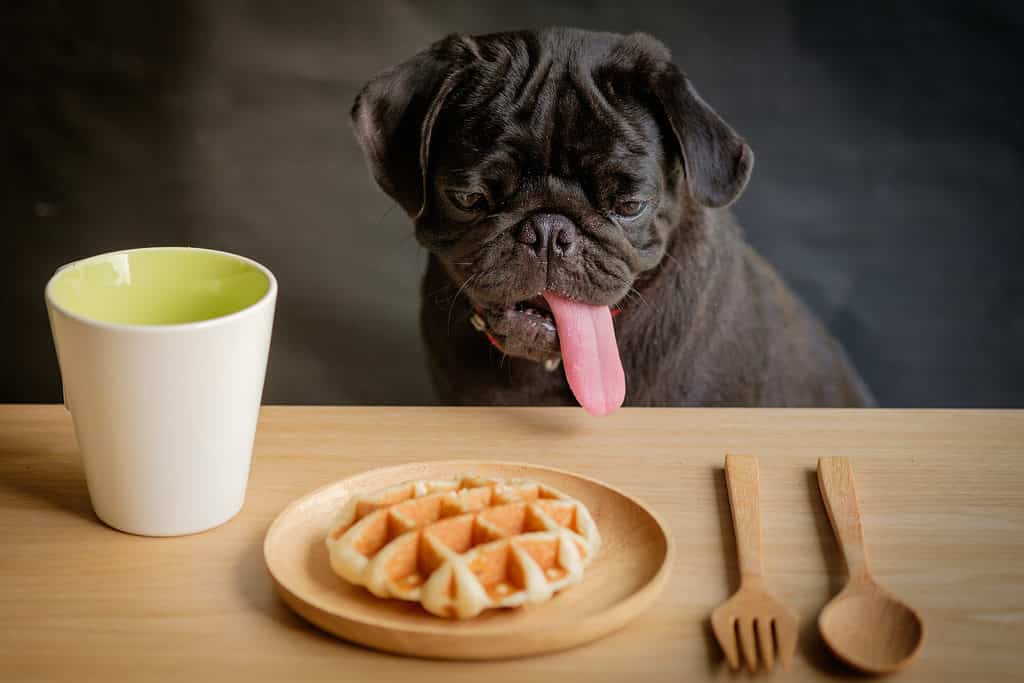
(589, 353)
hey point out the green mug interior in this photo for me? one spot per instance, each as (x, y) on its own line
(164, 286)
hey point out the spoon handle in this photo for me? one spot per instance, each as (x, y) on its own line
(835, 479)
(744, 499)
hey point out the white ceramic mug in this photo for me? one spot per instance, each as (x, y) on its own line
(163, 353)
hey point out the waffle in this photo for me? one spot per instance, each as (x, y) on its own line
(461, 546)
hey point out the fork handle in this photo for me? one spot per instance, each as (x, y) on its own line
(744, 498)
(835, 479)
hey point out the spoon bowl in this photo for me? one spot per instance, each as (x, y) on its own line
(871, 630)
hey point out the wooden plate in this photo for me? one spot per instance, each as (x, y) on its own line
(626, 576)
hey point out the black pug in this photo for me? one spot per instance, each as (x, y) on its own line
(572, 186)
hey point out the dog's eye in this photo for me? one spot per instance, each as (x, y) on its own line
(467, 201)
(630, 208)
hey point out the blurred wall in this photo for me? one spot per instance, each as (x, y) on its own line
(889, 148)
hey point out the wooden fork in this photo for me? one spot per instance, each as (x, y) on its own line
(752, 609)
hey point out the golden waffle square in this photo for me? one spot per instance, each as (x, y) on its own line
(461, 546)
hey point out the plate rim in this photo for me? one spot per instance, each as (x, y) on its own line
(649, 590)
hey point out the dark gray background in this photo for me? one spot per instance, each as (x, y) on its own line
(888, 185)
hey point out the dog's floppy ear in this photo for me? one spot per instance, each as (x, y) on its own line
(395, 112)
(717, 162)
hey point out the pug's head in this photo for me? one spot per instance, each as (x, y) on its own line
(546, 171)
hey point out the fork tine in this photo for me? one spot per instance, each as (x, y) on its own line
(726, 635)
(745, 627)
(765, 640)
(785, 638)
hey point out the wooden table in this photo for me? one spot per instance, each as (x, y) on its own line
(942, 494)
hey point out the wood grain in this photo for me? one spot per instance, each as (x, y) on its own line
(942, 494)
(839, 495)
(741, 477)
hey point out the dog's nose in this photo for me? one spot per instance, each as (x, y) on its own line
(544, 231)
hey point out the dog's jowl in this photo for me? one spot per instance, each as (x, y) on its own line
(571, 188)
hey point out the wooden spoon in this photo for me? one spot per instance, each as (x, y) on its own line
(865, 626)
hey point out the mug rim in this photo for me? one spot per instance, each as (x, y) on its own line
(269, 295)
